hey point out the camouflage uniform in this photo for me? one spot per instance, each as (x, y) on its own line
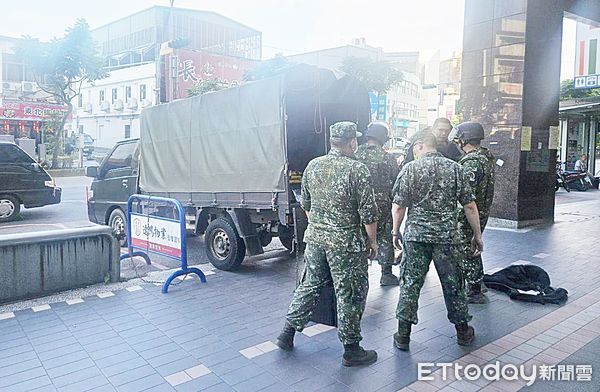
(384, 170)
(337, 193)
(478, 166)
(430, 188)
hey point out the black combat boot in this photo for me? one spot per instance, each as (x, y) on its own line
(355, 355)
(464, 334)
(475, 295)
(285, 340)
(387, 277)
(402, 337)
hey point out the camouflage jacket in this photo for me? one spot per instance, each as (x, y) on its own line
(384, 170)
(432, 188)
(449, 150)
(478, 166)
(337, 192)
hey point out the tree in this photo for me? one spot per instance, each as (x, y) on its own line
(567, 91)
(205, 86)
(268, 68)
(60, 67)
(377, 76)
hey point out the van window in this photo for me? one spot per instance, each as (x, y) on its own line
(10, 153)
(120, 159)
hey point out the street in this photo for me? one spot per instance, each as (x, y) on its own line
(72, 213)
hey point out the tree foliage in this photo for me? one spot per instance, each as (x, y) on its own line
(268, 68)
(205, 86)
(60, 68)
(568, 92)
(377, 76)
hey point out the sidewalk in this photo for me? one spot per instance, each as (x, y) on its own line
(218, 336)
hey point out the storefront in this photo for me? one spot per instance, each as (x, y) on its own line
(27, 119)
(580, 134)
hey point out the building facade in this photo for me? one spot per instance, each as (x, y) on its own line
(24, 108)
(155, 56)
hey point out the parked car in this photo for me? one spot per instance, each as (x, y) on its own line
(88, 145)
(23, 182)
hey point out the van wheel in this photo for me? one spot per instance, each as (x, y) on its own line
(116, 221)
(224, 247)
(9, 208)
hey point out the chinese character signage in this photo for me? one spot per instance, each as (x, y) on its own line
(587, 56)
(193, 66)
(156, 235)
(30, 110)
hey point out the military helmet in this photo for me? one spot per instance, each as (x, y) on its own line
(469, 130)
(378, 130)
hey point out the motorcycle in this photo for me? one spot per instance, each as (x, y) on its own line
(576, 180)
(560, 181)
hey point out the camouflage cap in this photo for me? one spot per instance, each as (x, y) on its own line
(419, 136)
(344, 130)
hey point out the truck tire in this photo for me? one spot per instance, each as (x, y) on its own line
(224, 247)
(9, 208)
(116, 221)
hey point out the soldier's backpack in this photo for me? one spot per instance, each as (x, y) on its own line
(528, 283)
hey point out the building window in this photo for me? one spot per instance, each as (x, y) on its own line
(101, 96)
(115, 95)
(79, 101)
(127, 93)
(142, 92)
(127, 131)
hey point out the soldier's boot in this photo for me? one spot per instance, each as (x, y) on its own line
(464, 334)
(387, 277)
(475, 296)
(355, 355)
(402, 337)
(285, 340)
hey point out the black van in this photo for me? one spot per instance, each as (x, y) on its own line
(23, 181)
(114, 181)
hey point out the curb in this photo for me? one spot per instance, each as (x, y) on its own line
(67, 172)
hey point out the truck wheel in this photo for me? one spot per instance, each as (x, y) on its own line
(116, 221)
(224, 247)
(9, 208)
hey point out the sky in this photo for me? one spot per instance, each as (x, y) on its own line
(287, 26)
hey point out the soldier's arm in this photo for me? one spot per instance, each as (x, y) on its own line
(367, 209)
(400, 202)
(467, 199)
(305, 200)
(473, 172)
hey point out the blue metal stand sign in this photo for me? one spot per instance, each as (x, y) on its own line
(159, 235)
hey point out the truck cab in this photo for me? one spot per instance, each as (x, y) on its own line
(114, 181)
(23, 182)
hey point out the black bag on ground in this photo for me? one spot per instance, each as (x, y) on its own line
(528, 283)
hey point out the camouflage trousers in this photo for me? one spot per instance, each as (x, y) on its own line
(472, 267)
(385, 255)
(350, 282)
(414, 267)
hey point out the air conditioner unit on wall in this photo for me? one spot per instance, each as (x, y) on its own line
(28, 87)
(105, 106)
(9, 86)
(118, 105)
(132, 104)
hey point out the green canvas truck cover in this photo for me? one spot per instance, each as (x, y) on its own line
(225, 141)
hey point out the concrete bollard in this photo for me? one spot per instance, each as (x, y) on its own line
(39, 263)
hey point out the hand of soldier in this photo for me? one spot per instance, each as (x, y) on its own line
(397, 238)
(372, 250)
(477, 246)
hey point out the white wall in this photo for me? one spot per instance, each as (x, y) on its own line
(108, 126)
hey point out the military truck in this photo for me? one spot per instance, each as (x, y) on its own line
(234, 158)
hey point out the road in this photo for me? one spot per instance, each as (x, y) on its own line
(72, 213)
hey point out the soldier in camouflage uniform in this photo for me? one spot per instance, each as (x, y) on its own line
(384, 170)
(339, 201)
(430, 187)
(441, 128)
(478, 165)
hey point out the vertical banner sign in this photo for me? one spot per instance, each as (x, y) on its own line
(382, 107)
(587, 57)
(526, 139)
(374, 102)
(554, 140)
(156, 235)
